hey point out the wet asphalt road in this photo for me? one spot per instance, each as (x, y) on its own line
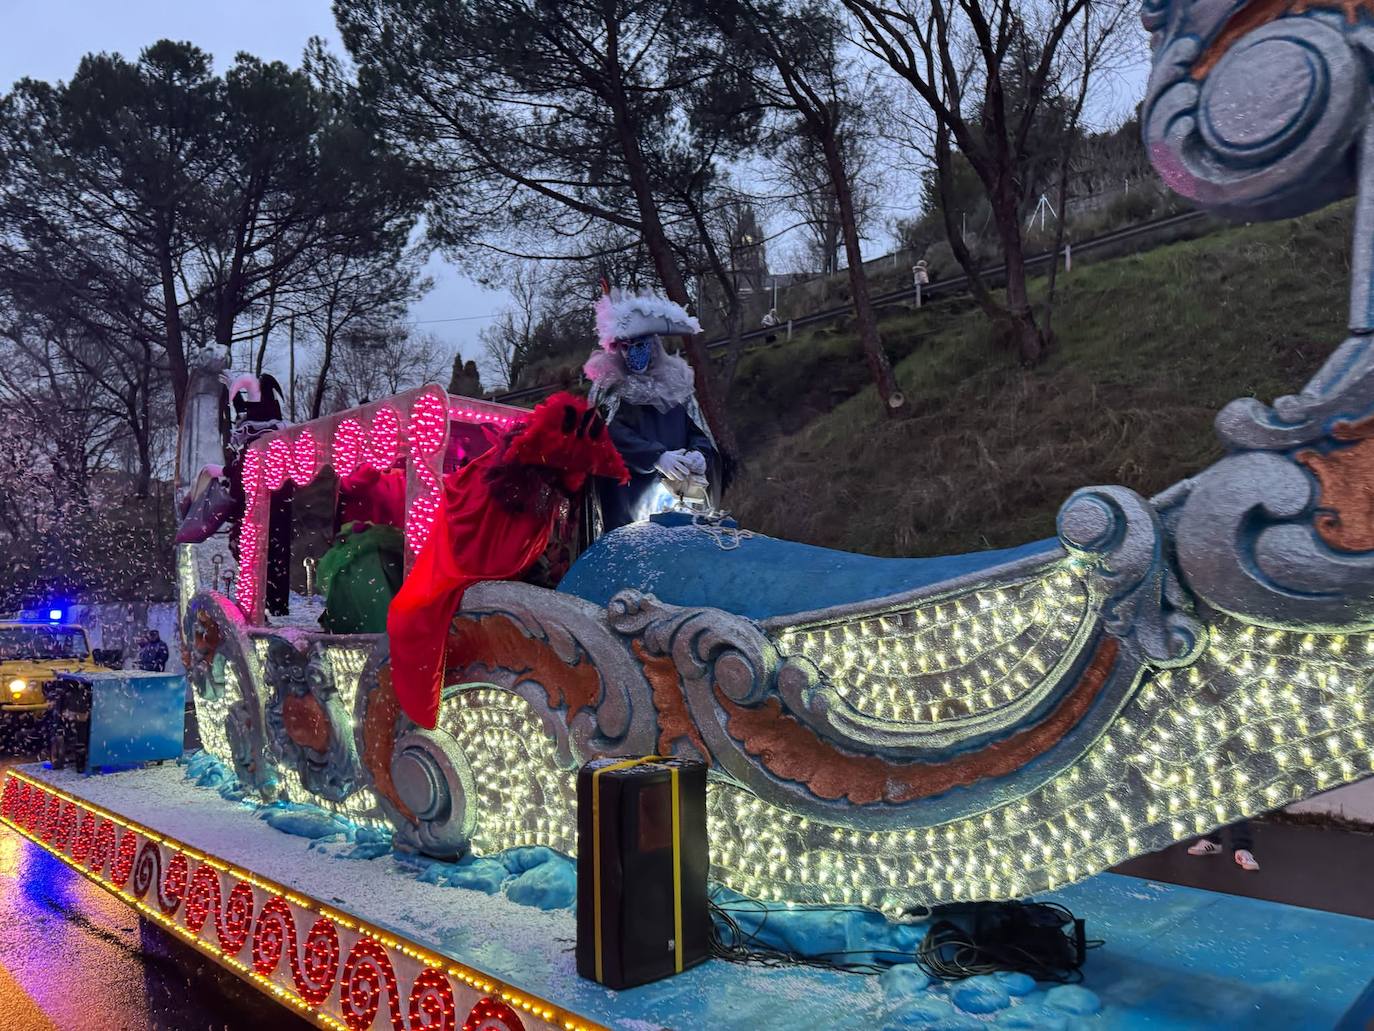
(74, 958)
(1312, 866)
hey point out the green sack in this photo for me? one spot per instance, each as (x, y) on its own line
(359, 576)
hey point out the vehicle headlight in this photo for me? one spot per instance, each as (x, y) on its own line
(17, 686)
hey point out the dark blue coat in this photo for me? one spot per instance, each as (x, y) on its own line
(642, 433)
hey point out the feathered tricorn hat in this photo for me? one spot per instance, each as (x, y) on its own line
(623, 316)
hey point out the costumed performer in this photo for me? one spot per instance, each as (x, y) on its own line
(647, 396)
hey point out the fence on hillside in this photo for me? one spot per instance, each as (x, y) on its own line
(939, 290)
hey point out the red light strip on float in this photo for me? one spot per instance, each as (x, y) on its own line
(343, 974)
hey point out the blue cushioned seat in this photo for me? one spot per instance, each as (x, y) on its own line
(764, 577)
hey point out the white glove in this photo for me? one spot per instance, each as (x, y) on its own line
(673, 465)
(696, 462)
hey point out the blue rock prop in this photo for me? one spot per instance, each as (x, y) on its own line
(527, 857)
(1016, 983)
(484, 875)
(550, 885)
(928, 1013)
(1032, 1017)
(304, 821)
(208, 772)
(1073, 999)
(369, 850)
(530, 876)
(903, 980)
(434, 873)
(983, 994)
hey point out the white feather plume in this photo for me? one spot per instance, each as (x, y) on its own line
(622, 316)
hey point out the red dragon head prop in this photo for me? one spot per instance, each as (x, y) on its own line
(563, 442)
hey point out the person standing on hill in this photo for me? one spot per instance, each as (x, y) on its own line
(920, 276)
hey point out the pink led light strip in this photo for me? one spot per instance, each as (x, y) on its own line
(412, 425)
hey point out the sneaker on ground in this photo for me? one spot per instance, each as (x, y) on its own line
(1245, 860)
(1204, 847)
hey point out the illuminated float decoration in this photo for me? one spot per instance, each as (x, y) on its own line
(895, 733)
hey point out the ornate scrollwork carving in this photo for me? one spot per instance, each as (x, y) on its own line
(431, 775)
(1263, 111)
(1247, 546)
(306, 719)
(704, 642)
(771, 723)
(1343, 388)
(377, 723)
(1253, 121)
(1145, 606)
(586, 686)
(228, 691)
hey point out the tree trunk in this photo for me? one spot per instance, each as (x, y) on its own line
(144, 425)
(1052, 279)
(736, 348)
(172, 344)
(709, 397)
(878, 365)
(266, 332)
(954, 230)
(1023, 332)
(145, 467)
(317, 397)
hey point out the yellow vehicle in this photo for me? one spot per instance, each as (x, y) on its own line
(31, 655)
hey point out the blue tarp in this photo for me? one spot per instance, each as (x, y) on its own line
(763, 577)
(135, 718)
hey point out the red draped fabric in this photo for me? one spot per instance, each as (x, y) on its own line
(473, 540)
(481, 536)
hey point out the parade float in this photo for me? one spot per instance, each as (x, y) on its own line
(882, 735)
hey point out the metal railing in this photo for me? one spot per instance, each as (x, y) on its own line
(940, 289)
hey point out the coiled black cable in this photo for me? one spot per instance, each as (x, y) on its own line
(1025, 937)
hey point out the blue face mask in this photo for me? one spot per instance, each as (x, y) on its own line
(638, 353)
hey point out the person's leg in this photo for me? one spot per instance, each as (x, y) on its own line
(1242, 841)
(1241, 836)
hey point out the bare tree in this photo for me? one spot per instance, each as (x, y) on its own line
(508, 343)
(799, 167)
(355, 288)
(804, 44)
(374, 361)
(727, 255)
(1095, 49)
(558, 117)
(985, 75)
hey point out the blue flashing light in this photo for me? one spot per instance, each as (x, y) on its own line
(55, 615)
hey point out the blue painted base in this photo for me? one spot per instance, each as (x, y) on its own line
(1174, 957)
(1181, 957)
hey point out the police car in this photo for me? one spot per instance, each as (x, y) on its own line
(33, 651)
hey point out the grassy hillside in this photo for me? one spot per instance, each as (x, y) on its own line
(1148, 349)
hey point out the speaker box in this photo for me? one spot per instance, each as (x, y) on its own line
(642, 860)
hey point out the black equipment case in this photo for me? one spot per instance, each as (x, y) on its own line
(642, 860)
